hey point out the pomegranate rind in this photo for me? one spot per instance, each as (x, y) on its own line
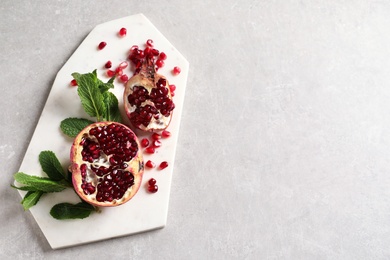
(148, 84)
(135, 166)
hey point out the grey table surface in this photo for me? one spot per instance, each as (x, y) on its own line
(284, 146)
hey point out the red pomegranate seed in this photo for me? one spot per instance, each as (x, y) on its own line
(150, 150)
(160, 63)
(176, 70)
(133, 48)
(108, 64)
(156, 143)
(73, 82)
(152, 181)
(153, 188)
(102, 45)
(122, 32)
(119, 71)
(172, 88)
(165, 133)
(156, 136)
(110, 73)
(123, 65)
(163, 56)
(163, 165)
(149, 43)
(150, 164)
(124, 78)
(144, 142)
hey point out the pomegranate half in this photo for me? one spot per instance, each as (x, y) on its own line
(147, 97)
(106, 164)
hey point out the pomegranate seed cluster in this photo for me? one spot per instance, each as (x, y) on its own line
(107, 150)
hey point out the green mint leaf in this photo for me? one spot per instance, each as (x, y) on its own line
(111, 80)
(112, 109)
(25, 188)
(71, 211)
(31, 198)
(41, 183)
(90, 94)
(72, 126)
(51, 165)
(104, 87)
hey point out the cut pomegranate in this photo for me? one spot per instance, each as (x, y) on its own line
(165, 134)
(102, 45)
(150, 164)
(147, 97)
(163, 165)
(106, 164)
(108, 64)
(122, 32)
(176, 70)
(73, 83)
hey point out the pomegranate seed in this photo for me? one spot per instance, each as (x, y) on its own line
(144, 142)
(163, 165)
(155, 52)
(122, 32)
(172, 94)
(150, 150)
(160, 63)
(102, 45)
(73, 82)
(176, 70)
(110, 73)
(108, 64)
(150, 164)
(156, 143)
(124, 78)
(119, 71)
(156, 136)
(123, 65)
(153, 188)
(165, 133)
(163, 56)
(172, 88)
(152, 181)
(149, 43)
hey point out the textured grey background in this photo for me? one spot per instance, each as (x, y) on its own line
(285, 137)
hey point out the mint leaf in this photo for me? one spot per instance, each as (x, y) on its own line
(72, 126)
(31, 198)
(25, 188)
(112, 112)
(40, 183)
(104, 87)
(71, 211)
(90, 94)
(51, 165)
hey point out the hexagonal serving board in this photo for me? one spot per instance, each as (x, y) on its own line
(145, 211)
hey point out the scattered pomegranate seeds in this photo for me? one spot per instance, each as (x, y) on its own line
(119, 71)
(110, 73)
(156, 136)
(144, 142)
(149, 43)
(156, 143)
(123, 65)
(172, 88)
(165, 133)
(160, 63)
(73, 83)
(150, 164)
(102, 45)
(108, 64)
(163, 165)
(134, 47)
(124, 78)
(176, 70)
(153, 188)
(163, 56)
(150, 150)
(122, 32)
(152, 181)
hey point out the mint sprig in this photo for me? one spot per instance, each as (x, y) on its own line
(72, 126)
(72, 211)
(51, 166)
